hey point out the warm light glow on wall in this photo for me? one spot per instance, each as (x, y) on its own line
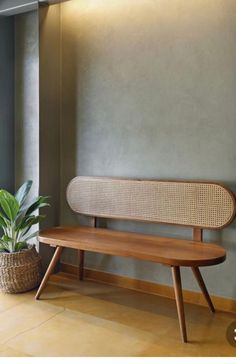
(142, 11)
(80, 6)
(74, 5)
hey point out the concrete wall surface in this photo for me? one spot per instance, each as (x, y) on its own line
(148, 90)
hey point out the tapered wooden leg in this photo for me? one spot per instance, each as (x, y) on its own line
(49, 271)
(179, 301)
(202, 285)
(81, 265)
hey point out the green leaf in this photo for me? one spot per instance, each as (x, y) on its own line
(7, 243)
(26, 225)
(2, 247)
(23, 223)
(28, 221)
(9, 205)
(6, 238)
(2, 221)
(40, 202)
(32, 221)
(20, 246)
(23, 191)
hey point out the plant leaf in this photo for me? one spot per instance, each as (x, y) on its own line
(20, 245)
(7, 243)
(9, 204)
(3, 222)
(6, 238)
(27, 224)
(2, 247)
(28, 221)
(40, 202)
(23, 191)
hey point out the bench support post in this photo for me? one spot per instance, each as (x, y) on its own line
(49, 271)
(81, 252)
(197, 236)
(179, 301)
(202, 285)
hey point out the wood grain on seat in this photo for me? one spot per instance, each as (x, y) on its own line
(165, 250)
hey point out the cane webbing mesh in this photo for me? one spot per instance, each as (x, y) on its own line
(199, 204)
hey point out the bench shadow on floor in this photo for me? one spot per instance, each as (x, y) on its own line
(140, 310)
(113, 321)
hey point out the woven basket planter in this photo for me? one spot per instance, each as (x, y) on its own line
(20, 272)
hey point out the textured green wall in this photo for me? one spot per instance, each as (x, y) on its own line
(148, 90)
(7, 103)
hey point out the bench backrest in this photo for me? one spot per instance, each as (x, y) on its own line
(206, 205)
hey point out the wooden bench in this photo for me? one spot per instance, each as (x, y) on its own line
(199, 205)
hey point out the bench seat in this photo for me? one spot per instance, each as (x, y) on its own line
(165, 250)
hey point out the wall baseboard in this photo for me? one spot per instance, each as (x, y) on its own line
(220, 303)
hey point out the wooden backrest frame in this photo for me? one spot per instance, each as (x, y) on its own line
(197, 204)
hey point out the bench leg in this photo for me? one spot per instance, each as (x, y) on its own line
(49, 271)
(202, 285)
(179, 301)
(81, 265)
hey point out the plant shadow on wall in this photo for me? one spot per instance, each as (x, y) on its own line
(20, 264)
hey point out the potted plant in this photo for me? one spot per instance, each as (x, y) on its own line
(20, 264)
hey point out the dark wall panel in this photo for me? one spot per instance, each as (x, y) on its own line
(7, 103)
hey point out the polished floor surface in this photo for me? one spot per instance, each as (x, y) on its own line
(93, 319)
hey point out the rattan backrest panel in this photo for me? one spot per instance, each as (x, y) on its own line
(197, 204)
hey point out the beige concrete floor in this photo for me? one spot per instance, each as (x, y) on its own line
(93, 319)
